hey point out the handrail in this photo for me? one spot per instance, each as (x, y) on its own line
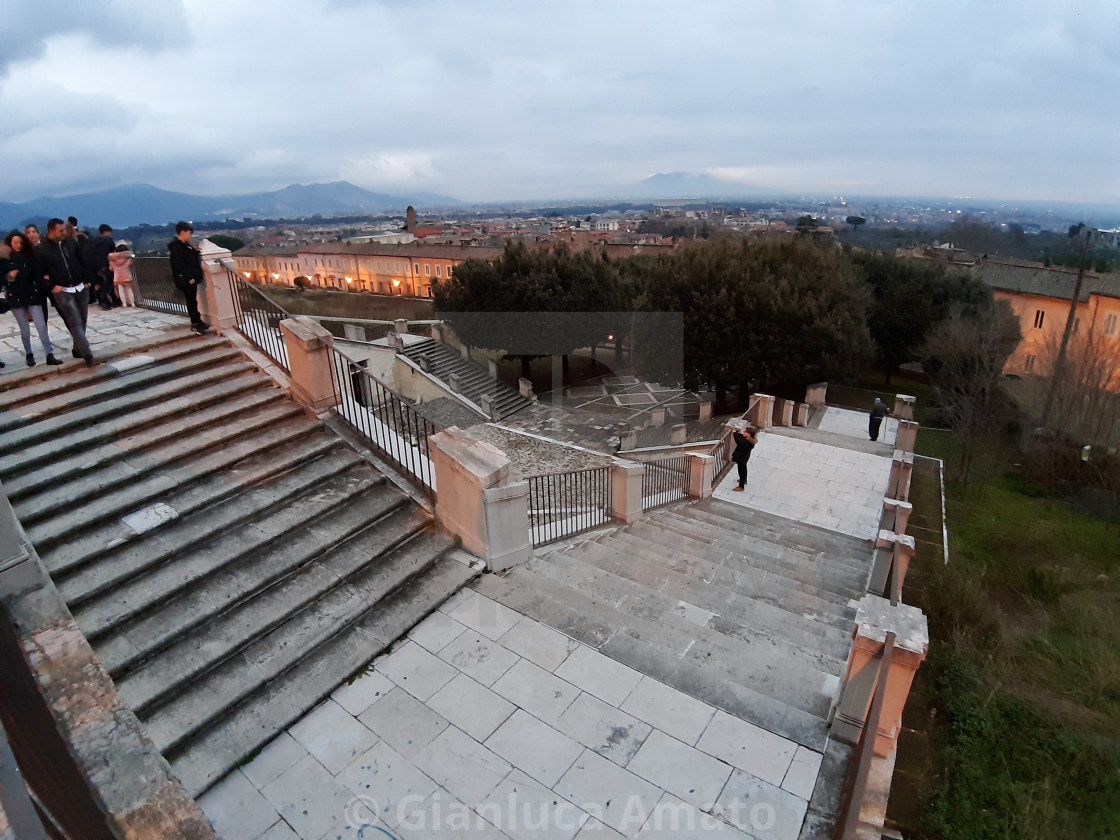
(722, 450)
(383, 418)
(258, 318)
(855, 787)
(664, 481)
(568, 503)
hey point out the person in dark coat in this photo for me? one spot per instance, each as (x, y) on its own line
(26, 295)
(186, 272)
(100, 249)
(66, 272)
(878, 412)
(745, 442)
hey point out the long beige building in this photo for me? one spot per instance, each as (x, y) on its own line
(405, 270)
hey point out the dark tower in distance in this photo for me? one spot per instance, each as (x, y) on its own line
(410, 219)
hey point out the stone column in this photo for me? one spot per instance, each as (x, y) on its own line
(815, 394)
(763, 410)
(626, 490)
(904, 406)
(902, 468)
(875, 617)
(896, 515)
(701, 471)
(705, 409)
(308, 345)
(525, 388)
(657, 417)
(907, 435)
(627, 441)
(354, 332)
(677, 434)
(801, 415)
(216, 301)
(481, 499)
(785, 413)
(895, 551)
(492, 368)
(400, 325)
(437, 333)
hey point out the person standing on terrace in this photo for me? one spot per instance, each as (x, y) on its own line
(186, 272)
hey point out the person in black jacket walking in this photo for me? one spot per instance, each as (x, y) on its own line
(100, 249)
(745, 442)
(26, 295)
(186, 272)
(66, 273)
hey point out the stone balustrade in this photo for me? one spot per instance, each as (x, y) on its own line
(701, 472)
(308, 345)
(893, 553)
(815, 394)
(626, 490)
(904, 406)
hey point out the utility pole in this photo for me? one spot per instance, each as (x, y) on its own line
(1060, 362)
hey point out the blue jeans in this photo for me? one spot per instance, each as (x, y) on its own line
(74, 309)
(20, 314)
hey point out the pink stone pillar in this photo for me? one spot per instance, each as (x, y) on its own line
(705, 409)
(626, 490)
(904, 406)
(907, 435)
(480, 499)
(216, 301)
(763, 410)
(785, 412)
(677, 434)
(891, 550)
(308, 345)
(896, 515)
(701, 472)
(815, 394)
(801, 415)
(875, 617)
(902, 469)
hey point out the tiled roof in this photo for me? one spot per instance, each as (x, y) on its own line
(1035, 279)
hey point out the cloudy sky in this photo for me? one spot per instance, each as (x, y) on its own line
(520, 99)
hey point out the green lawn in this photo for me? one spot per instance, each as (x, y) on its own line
(1021, 693)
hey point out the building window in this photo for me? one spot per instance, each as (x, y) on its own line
(427, 270)
(417, 267)
(1110, 325)
(1076, 326)
(1039, 318)
(438, 270)
(1028, 365)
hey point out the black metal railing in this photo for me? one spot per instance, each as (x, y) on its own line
(386, 420)
(665, 481)
(154, 287)
(564, 504)
(258, 318)
(855, 786)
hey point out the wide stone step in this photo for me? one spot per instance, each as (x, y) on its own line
(125, 394)
(152, 585)
(137, 496)
(115, 537)
(764, 542)
(667, 659)
(795, 534)
(777, 666)
(268, 711)
(219, 637)
(260, 399)
(753, 601)
(743, 561)
(24, 392)
(79, 439)
(171, 452)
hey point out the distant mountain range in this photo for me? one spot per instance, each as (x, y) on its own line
(136, 204)
(685, 185)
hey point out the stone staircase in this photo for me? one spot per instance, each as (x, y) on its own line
(230, 559)
(443, 362)
(747, 611)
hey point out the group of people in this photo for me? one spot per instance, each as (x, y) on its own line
(67, 269)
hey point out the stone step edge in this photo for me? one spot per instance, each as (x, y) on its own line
(236, 432)
(234, 703)
(262, 631)
(194, 546)
(327, 446)
(359, 646)
(29, 393)
(265, 398)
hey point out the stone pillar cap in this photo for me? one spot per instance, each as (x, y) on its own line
(902, 539)
(875, 617)
(898, 503)
(905, 457)
(483, 462)
(905, 398)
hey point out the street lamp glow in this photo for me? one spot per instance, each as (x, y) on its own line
(247, 274)
(275, 276)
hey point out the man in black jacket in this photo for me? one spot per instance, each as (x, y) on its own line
(66, 273)
(101, 248)
(186, 272)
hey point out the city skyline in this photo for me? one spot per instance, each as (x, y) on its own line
(487, 102)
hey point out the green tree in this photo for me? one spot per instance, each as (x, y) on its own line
(856, 221)
(910, 297)
(232, 243)
(770, 315)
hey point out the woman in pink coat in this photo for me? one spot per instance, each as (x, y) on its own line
(120, 261)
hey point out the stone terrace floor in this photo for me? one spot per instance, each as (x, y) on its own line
(123, 325)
